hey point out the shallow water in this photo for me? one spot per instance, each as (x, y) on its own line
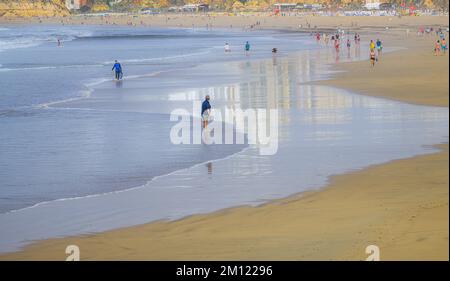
(96, 148)
(50, 153)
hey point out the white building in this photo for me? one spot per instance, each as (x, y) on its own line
(372, 5)
(77, 4)
(73, 4)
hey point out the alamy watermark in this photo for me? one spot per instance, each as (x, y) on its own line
(258, 127)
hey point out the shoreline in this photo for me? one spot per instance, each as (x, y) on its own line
(241, 217)
(193, 237)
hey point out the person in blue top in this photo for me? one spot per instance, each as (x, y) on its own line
(247, 48)
(379, 47)
(117, 68)
(206, 109)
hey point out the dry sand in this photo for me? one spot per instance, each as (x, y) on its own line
(307, 22)
(401, 206)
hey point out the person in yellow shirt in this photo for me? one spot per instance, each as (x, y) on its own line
(372, 45)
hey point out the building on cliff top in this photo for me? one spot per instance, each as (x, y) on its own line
(76, 4)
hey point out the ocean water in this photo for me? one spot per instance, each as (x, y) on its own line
(49, 154)
(81, 153)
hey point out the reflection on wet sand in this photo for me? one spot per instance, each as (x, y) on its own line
(209, 165)
(322, 131)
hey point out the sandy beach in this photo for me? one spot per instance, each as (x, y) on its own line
(266, 20)
(401, 206)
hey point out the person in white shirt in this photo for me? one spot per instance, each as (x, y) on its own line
(227, 48)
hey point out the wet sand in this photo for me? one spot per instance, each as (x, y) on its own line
(401, 206)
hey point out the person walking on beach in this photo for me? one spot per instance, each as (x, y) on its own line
(437, 48)
(206, 110)
(227, 48)
(372, 57)
(444, 46)
(349, 44)
(379, 47)
(117, 68)
(372, 45)
(247, 48)
(336, 44)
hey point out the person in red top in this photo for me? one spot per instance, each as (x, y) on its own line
(437, 48)
(372, 57)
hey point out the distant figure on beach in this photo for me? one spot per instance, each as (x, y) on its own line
(349, 44)
(59, 43)
(372, 45)
(372, 57)
(117, 68)
(247, 48)
(421, 31)
(274, 50)
(206, 110)
(437, 48)
(379, 46)
(227, 48)
(444, 46)
(336, 44)
(326, 39)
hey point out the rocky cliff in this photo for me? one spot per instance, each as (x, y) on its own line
(32, 8)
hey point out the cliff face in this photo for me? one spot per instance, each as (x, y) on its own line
(32, 8)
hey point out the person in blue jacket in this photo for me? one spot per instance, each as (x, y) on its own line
(117, 68)
(206, 108)
(247, 48)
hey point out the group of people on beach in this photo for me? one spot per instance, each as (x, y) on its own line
(206, 106)
(227, 48)
(117, 67)
(375, 47)
(441, 44)
(335, 39)
(378, 46)
(325, 38)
